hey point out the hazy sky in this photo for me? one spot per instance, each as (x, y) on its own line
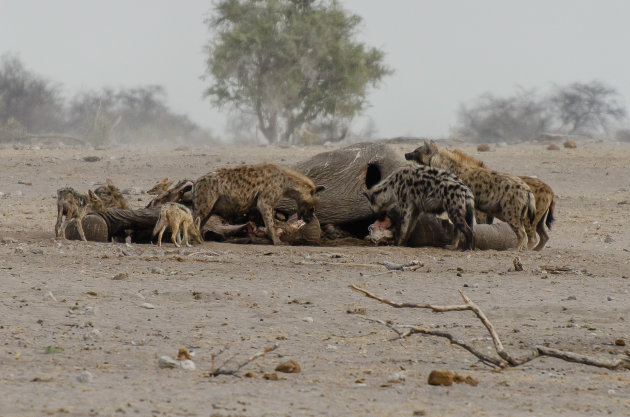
(444, 52)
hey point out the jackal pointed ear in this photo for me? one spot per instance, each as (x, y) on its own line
(91, 194)
(198, 223)
(165, 180)
(109, 182)
(317, 190)
(426, 144)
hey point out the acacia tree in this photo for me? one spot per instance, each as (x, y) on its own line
(289, 63)
(28, 99)
(493, 119)
(586, 107)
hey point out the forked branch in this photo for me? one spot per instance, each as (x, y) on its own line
(505, 359)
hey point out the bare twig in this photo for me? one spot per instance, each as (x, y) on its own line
(498, 346)
(222, 371)
(437, 309)
(506, 360)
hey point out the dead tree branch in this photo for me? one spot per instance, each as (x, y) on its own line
(505, 359)
(221, 370)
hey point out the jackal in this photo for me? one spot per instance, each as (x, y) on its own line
(111, 196)
(75, 205)
(176, 216)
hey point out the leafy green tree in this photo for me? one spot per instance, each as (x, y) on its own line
(289, 63)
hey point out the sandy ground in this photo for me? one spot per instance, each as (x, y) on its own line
(241, 299)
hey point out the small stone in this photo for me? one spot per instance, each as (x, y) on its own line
(121, 276)
(331, 348)
(272, 376)
(518, 266)
(483, 147)
(609, 298)
(187, 365)
(308, 319)
(147, 306)
(620, 342)
(91, 158)
(289, 367)
(37, 251)
(167, 362)
(183, 354)
(553, 147)
(441, 377)
(569, 144)
(9, 240)
(397, 377)
(85, 377)
(157, 270)
(608, 239)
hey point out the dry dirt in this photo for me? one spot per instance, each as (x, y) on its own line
(241, 299)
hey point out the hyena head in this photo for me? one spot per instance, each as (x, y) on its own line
(381, 198)
(94, 202)
(306, 205)
(422, 154)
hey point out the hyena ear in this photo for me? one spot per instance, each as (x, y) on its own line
(317, 190)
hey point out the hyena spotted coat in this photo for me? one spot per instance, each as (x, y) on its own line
(500, 195)
(545, 206)
(411, 190)
(237, 190)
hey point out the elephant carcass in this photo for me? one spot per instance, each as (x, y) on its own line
(347, 173)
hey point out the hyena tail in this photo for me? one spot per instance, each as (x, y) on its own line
(531, 207)
(550, 219)
(470, 221)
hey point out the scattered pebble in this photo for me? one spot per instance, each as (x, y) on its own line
(147, 306)
(121, 276)
(9, 240)
(553, 147)
(569, 144)
(91, 158)
(183, 354)
(620, 342)
(331, 347)
(85, 377)
(289, 367)
(272, 376)
(187, 365)
(608, 239)
(609, 298)
(441, 377)
(397, 377)
(484, 147)
(167, 362)
(308, 319)
(157, 270)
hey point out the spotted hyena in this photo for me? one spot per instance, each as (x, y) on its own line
(500, 195)
(411, 190)
(545, 206)
(74, 205)
(236, 190)
(176, 216)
